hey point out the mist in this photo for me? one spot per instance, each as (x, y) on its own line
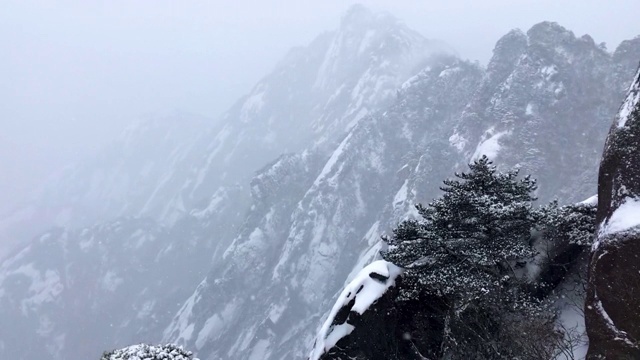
(76, 73)
(236, 177)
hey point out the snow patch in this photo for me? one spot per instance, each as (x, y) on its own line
(592, 201)
(214, 203)
(215, 324)
(489, 147)
(631, 102)
(253, 104)
(401, 195)
(43, 288)
(529, 109)
(111, 281)
(625, 217)
(275, 312)
(367, 40)
(414, 79)
(457, 141)
(549, 71)
(449, 72)
(181, 327)
(260, 350)
(332, 160)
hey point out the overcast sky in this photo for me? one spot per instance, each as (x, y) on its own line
(74, 73)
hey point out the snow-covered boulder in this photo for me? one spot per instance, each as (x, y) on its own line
(613, 300)
(356, 298)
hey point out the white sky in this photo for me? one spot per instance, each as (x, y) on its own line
(74, 73)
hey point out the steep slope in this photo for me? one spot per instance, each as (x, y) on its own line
(551, 97)
(612, 306)
(119, 180)
(296, 245)
(73, 293)
(165, 168)
(191, 185)
(294, 254)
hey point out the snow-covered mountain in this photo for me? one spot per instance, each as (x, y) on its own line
(126, 178)
(151, 213)
(166, 167)
(543, 104)
(283, 199)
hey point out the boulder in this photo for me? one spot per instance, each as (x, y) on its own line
(612, 311)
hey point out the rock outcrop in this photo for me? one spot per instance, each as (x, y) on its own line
(613, 300)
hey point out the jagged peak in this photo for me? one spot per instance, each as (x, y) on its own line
(549, 32)
(360, 19)
(507, 51)
(628, 48)
(359, 14)
(514, 38)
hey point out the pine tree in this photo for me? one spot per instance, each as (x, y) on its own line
(465, 250)
(575, 222)
(470, 238)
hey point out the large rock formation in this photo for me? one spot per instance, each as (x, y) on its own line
(613, 300)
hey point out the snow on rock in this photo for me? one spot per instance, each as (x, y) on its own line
(529, 109)
(457, 141)
(625, 217)
(182, 326)
(332, 160)
(367, 287)
(633, 97)
(401, 195)
(592, 201)
(489, 147)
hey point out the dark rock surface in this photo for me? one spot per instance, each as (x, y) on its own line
(390, 330)
(613, 300)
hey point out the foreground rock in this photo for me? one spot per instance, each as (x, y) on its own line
(613, 299)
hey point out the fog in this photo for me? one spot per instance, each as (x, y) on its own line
(239, 221)
(74, 73)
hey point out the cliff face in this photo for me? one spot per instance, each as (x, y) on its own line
(538, 108)
(613, 300)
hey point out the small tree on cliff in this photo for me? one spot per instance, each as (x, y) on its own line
(466, 250)
(469, 240)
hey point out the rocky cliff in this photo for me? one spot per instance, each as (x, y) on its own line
(613, 303)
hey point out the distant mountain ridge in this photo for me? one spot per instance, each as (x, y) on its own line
(284, 198)
(189, 181)
(543, 105)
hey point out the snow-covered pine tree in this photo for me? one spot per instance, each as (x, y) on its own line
(149, 352)
(468, 239)
(465, 250)
(575, 222)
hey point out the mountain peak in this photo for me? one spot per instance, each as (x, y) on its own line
(359, 16)
(357, 13)
(548, 32)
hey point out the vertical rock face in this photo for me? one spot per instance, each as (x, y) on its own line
(613, 300)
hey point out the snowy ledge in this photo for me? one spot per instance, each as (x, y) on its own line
(624, 218)
(367, 287)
